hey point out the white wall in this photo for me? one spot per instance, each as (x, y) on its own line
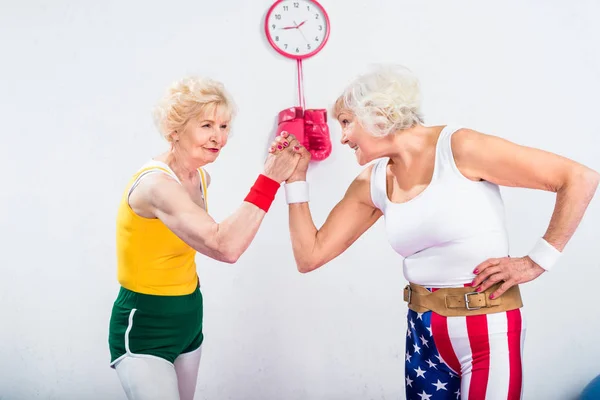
(77, 83)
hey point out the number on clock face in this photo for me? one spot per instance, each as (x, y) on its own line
(297, 27)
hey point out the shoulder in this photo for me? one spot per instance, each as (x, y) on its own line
(360, 188)
(156, 187)
(466, 146)
(154, 190)
(364, 177)
(470, 145)
(468, 142)
(465, 140)
(474, 151)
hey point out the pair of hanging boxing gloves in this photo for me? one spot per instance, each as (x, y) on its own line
(309, 127)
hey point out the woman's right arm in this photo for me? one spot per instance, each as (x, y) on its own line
(348, 220)
(163, 198)
(168, 201)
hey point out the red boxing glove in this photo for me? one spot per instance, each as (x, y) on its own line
(316, 131)
(291, 120)
(263, 192)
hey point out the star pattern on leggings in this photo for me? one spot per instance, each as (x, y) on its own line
(427, 377)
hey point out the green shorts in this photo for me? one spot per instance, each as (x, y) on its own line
(159, 326)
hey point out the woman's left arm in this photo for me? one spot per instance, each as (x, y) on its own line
(485, 157)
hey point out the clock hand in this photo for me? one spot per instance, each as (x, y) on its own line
(303, 35)
(298, 27)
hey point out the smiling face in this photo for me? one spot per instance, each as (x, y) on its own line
(194, 116)
(366, 146)
(204, 136)
(375, 107)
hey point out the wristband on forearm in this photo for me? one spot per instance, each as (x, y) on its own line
(297, 192)
(262, 193)
(544, 254)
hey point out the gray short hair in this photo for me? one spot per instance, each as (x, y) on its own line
(386, 99)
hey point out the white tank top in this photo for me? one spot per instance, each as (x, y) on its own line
(448, 229)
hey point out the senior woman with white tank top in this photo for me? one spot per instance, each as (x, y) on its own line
(438, 190)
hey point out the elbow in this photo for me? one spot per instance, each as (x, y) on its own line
(306, 266)
(230, 256)
(589, 179)
(594, 179)
(230, 259)
(226, 253)
(583, 179)
(309, 260)
(220, 253)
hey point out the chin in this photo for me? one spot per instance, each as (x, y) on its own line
(204, 160)
(209, 160)
(206, 155)
(361, 159)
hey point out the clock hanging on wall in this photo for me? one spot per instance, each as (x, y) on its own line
(297, 29)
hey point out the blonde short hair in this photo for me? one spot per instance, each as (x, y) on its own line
(386, 99)
(189, 98)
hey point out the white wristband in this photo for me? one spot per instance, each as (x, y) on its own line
(296, 192)
(544, 254)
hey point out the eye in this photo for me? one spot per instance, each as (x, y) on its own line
(206, 126)
(345, 122)
(224, 126)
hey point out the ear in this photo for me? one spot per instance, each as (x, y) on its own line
(174, 136)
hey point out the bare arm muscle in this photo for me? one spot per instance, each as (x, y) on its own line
(226, 241)
(348, 220)
(490, 158)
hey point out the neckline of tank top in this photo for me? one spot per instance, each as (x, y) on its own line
(433, 175)
(164, 165)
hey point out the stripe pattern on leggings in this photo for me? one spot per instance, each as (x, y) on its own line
(469, 358)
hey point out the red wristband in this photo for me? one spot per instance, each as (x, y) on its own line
(263, 192)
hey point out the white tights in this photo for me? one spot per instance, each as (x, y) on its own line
(153, 378)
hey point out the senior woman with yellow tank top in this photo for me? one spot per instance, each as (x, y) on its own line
(155, 332)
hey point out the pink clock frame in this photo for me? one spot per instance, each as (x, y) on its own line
(290, 55)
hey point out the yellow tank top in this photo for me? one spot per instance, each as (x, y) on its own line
(151, 259)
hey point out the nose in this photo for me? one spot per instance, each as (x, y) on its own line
(217, 138)
(344, 139)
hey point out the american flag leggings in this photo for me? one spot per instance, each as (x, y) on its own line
(474, 357)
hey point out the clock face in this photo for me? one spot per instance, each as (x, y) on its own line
(297, 28)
